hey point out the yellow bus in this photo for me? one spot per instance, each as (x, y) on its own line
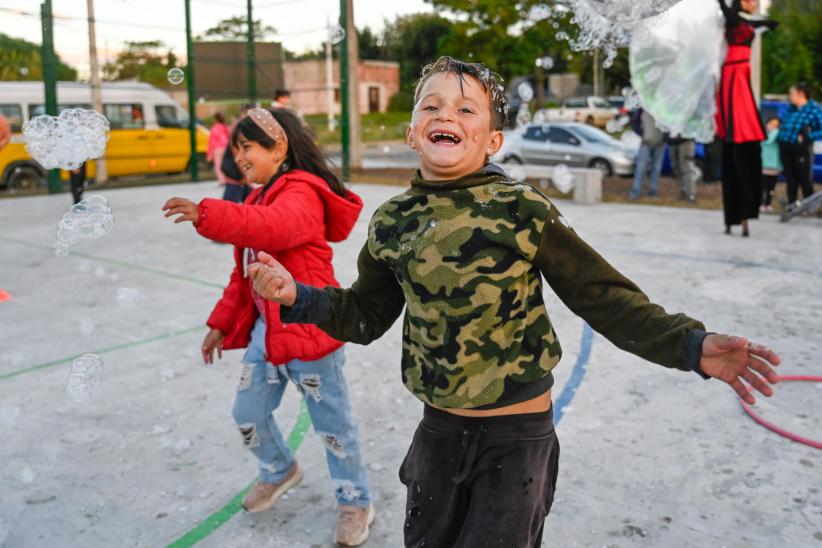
(149, 130)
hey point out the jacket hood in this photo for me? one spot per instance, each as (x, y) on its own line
(341, 212)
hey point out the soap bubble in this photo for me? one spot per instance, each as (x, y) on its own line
(563, 178)
(85, 377)
(616, 125)
(525, 91)
(610, 24)
(523, 116)
(539, 12)
(90, 218)
(336, 34)
(515, 172)
(127, 296)
(176, 76)
(675, 67)
(67, 140)
(546, 63)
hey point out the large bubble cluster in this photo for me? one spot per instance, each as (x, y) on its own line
(85, 377)
(675, 67)
(90, 218)
(68, 140)
(611, 24)
(562, 178)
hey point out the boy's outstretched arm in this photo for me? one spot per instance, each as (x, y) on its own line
(359, 314)
(615, 307)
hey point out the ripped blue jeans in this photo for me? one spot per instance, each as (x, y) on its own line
(325, 391)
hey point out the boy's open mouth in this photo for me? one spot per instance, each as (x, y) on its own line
(444, 138)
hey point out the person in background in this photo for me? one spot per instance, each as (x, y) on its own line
(77, 180)
(682, 153)
(281, 99)
(5, 132)
(771, 164)
(738, 125)
(801, 126)
(235, 188)
(218, 137)
(650, 154)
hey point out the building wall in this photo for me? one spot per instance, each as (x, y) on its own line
(306, 80)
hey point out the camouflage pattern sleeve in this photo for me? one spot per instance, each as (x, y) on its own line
(611, 303)
(367, 309)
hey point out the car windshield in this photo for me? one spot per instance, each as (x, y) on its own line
(594, 135)
(600, 103)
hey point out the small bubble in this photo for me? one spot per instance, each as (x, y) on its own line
(176, 76)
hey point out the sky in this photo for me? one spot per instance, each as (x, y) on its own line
(300, 23)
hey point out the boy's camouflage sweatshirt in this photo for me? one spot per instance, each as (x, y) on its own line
(465, 258)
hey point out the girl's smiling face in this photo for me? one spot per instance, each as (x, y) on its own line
(257, 162)
(451, 127)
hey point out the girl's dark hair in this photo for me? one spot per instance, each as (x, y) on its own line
(772, 118)
(218, 116)
(303, 151)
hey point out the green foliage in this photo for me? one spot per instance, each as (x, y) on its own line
(415, 40)
(793, 52)
(22, 60)
(402, 101)
(235, 29)
(142, 61)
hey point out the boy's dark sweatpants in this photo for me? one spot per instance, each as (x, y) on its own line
(476, 482)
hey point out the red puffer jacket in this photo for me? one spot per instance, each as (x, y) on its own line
(296, 219)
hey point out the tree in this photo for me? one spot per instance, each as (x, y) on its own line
(509, 37)
(793, 52)
(22, 60)
(370, 45)
(142, 61)
(415, 40)
(235, 29)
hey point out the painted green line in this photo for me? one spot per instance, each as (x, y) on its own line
(221, 516)
(124, 264)
(106, 350)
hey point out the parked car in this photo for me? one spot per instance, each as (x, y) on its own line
(618, 102)
(570, 143)
(591, 110)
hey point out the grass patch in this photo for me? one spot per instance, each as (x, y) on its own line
(377, 126)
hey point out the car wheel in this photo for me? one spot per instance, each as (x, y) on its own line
(24, 178)
(513, 160)
(603, 165)
(589, 120)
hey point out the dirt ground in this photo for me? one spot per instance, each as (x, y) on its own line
(650, 457)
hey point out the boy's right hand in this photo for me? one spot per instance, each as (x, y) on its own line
(272, 281)
(213, 341)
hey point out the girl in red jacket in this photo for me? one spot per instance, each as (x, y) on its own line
(298, 210)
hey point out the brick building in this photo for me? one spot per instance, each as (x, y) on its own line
(379, 81)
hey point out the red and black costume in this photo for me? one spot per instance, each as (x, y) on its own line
(738, 125)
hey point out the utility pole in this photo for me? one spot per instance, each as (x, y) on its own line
(49, 79)
(756, 63)
(597, 72)
(101, 171)
(329, 79)
(252, 63)
(192, 102)
(349, 83)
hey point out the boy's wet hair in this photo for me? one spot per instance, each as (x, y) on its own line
(490, 80)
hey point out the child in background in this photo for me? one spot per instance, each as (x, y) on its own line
(301, 207)
(77, 182)
(463, 250)
(771, 163)
(218, 137)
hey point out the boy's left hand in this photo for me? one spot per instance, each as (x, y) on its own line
(186, 209)
(734, 359)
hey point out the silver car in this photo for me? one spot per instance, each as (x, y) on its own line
(569, 143)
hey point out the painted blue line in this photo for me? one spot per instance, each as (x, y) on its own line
(573, 383)
(740, 263)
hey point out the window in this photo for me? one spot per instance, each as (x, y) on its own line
(14, 114)
(534, 133)
(37, 110)
(124, 116)
(169, 116)
(561, 137)
(599, 103)
(575, 103)
(593, 134)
